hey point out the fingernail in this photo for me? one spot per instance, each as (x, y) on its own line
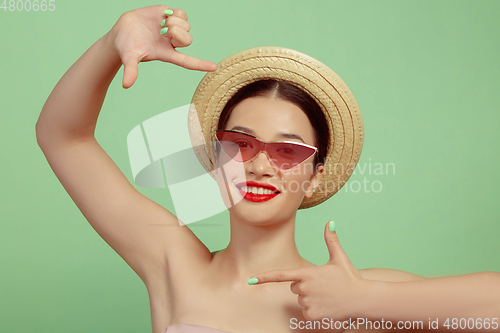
(168, 12)
(162, 23)
(331, 226)
(252, 281)
(217, 69)
(163, 31)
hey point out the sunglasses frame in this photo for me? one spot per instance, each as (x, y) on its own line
(267, 153)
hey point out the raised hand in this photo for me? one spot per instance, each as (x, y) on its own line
(140, 36)
(335, 290)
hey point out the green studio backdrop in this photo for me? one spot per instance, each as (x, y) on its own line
(424, 199)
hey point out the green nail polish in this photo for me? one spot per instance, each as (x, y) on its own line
(331, 226)
(168, 12)
(252, 281)
(163, 31)
(162, 23)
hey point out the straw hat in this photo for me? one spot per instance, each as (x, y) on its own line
(320, 82)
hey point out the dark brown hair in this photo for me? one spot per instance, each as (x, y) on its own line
(285, 91)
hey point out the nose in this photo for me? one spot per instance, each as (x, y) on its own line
(261, 165)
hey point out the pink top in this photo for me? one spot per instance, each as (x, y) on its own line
(188, 328)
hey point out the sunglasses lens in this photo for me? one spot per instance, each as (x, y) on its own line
(287, 155)
(242, 147)
(238, 146)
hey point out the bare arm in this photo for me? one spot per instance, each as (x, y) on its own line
(65, 133)
(472, 298)
(70, 113)
(389, 275)
(339, 291)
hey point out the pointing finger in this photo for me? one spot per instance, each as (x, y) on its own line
(284, 275)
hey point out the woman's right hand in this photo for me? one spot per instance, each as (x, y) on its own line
(137, 38)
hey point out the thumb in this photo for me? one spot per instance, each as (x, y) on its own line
(130, 69)
(337, 254)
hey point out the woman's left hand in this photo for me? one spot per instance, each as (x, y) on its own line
(335, 290)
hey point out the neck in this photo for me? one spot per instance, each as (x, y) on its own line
(257, 248)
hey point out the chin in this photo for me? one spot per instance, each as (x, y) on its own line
(264, 213)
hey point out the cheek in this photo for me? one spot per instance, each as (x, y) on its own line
(232, 168)
(229, 173)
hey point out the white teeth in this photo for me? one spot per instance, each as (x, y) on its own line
(256, 190)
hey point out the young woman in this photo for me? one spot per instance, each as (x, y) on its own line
(191, 289)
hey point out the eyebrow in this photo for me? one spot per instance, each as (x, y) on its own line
(281, 135)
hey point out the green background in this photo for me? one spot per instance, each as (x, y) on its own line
(425, 74)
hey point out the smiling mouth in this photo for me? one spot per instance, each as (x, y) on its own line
(257, 193)
(256, 190)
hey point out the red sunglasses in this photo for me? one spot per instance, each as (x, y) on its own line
(284, 154)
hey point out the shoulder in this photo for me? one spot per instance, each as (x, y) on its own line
(387, 274)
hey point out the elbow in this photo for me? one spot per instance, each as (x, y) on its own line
(39, 134)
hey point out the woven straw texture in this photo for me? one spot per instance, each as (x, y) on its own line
(329, 91)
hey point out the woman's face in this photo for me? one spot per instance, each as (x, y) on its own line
(268, 119)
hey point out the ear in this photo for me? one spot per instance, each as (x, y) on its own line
(315, 179)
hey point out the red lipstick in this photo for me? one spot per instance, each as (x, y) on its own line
(257, 197)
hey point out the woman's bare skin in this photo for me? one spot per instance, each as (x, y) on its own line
(185, 282)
